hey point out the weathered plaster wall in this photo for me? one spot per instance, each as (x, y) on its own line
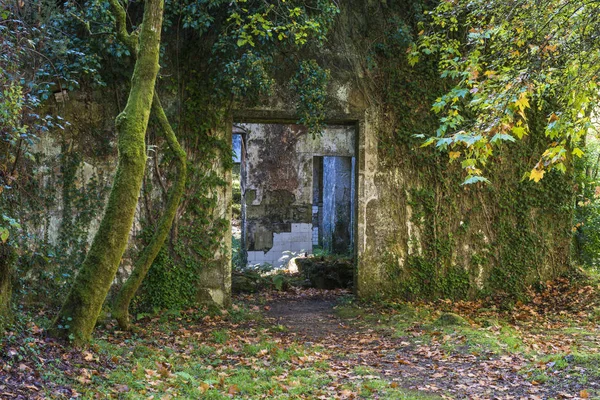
(72, 177)
(215, 275)
(418, 233)
(73, 172)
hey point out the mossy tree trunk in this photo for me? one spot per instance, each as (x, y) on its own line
(146, 258)
(6, 271)
(83, 304)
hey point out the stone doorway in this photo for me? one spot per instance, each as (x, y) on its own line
(297, 191)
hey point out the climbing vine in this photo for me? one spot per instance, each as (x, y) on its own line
(462, 241)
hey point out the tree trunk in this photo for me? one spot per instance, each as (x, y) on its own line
(146, 258)
(6, 269)
(80, 311)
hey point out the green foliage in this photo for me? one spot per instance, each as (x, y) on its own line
(292, 23)
(78, 48)
(85, 299)
(90, 44)
(236, 196)
(168, 285)
(241, 67)
(310, 83)
(423, 278)
(256, 278)
(586, 224)
(251, 48)
(172, 281)
(81, 203)
(502, 59)
(464, 241)
(327, 271)
(237, 261)
(36, 59)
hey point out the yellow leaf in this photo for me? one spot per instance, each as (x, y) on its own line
(454, 155)
(519, 131)
(584, 394)
(577, 152)
(536, 174)
(203, 387)
(522, 103)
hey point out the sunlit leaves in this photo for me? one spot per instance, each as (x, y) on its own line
(282, 22)
(6, 225)
(577, 152)
(310, 82)
(506, 61)
(474, 179)
(4, 233)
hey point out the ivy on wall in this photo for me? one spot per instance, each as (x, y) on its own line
(464, 241)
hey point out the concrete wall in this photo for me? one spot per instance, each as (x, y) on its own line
(414, 225)
(215, 277)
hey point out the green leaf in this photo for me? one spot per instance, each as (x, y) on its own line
(4, 234)
(502, 136)
(428, 142)
(475, 179)
(278, 282)
(519, 131)
(185, 376)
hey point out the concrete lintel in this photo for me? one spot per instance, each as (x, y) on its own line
(288, 117)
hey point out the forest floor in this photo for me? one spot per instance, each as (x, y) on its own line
(313, 344)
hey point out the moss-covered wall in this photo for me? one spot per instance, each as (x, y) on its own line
(60, 194)
(420, 233)
(7, 260)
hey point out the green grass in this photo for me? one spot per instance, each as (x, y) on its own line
(501, 341)
(210, 356)
(487, 336)
(267, 372)
(220, 336)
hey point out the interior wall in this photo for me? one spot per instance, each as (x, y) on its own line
(278, 187)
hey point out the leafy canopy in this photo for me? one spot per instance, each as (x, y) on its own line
(503, 60)
(250, 42)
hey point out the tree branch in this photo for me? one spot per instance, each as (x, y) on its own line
(128, 39)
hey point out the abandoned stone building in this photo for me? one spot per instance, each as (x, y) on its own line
(364, 187)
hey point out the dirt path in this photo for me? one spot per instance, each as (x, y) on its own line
(311, 318)
(410, 361)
